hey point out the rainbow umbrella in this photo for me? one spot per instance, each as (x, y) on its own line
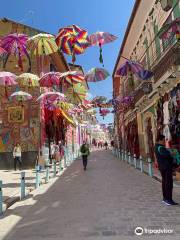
(16, 44)
(101, 38)
(28, 79)
(51, 96)
(50, 79)
(96, 74)
(73, 77)
(72, 40)
(20, 96)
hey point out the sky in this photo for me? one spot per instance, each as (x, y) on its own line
(95, 15)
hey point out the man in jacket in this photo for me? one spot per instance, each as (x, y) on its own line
(85, 153)
(165, 165)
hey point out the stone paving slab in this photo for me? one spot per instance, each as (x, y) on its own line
(108, 201)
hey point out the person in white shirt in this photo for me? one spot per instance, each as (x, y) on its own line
(17, 156)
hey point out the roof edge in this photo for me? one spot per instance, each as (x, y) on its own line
(136, 5)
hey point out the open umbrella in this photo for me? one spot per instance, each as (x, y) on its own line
(169, 28)
(7, 79)
(99, 99)
(42, 44)
(136, 68)
(51, 96)
(20, 96)
(100, 38)
(72, 77)
(28, 79)
(72, 40)
(96, 74)
(104, 112)
(50, 79)
(16, 44)
(77, 90)
(2, 50)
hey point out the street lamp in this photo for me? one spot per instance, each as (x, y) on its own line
(166, 4)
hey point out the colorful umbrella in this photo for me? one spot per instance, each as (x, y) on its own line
(2, 50)
(134, 67)
(72, 40)
(50, 79)
(52, 96)
(7, 79)
(99, 99)
(96, 74)
(169, 28)
(73, 77)
(28, 79)
(100, 38)
(42, 44)
(16, 44)
(77, 89)
(104, 112)
(20, 96)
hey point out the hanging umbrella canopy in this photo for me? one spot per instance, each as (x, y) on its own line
(52, 96)
(16, 44)
(169, 28)
(2, 50)
(99, 99)
(77, 89)
(7, 79)
(72, 77)
(42, 44)
(28, 79)
(20, 96)
(101, 38)
(72, 40)
(96, 74)
(134, 67)
(50, 79)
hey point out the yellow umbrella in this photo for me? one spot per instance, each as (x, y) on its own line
(42, 44)
(28, 79)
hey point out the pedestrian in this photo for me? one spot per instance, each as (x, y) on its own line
(52, 151)
(106, 145)
(165, 165)
(17, 156)
(85, 153)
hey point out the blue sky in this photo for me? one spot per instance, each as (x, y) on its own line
(95, 15)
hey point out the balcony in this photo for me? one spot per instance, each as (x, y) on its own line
(167, 56)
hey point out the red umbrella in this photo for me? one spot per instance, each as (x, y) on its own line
(50, 79)
(73, 77)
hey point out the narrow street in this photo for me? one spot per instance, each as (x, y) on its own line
(108, 201)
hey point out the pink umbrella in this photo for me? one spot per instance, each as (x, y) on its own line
(52, 96)
(16, 44)
(7, 79)
(50, 79)
(100, 38)
(2, 50)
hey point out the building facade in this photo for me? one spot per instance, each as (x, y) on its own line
(155, 101)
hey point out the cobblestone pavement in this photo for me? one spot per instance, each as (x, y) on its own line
(108, 201)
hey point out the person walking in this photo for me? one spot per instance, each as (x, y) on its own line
(165, 165)
(106, 145)
(85, 153)
(17, 156)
